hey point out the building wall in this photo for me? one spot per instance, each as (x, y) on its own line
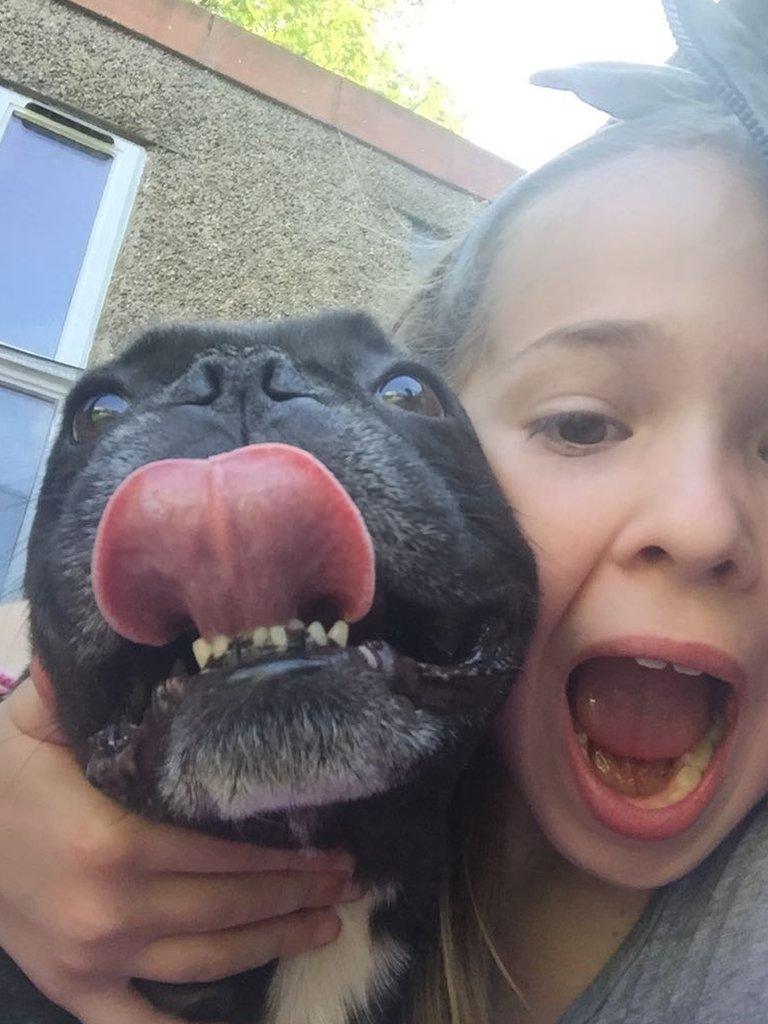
(246, 208)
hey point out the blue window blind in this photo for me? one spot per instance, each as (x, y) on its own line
(25, 423)
(50, 191)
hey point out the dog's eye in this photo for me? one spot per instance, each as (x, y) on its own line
(411, 395)
(94, 415)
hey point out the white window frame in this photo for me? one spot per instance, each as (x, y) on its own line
(52, 381)
(107, 234)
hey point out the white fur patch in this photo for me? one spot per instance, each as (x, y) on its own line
(327, 985)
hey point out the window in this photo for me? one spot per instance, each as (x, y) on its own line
(31, 392)
(66, 191)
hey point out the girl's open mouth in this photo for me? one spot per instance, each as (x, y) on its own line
(648, 740)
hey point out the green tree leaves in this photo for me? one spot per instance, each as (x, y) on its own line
(340, 35)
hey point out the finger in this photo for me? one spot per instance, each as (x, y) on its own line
(187, 905)
(118, 1005)
(167, 848)
(217, 955)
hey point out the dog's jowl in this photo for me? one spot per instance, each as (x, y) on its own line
(279, 596)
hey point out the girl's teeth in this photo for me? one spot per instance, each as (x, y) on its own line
(686, 671)
(688, 770)
(700, 756)
(657, 784)
(686, 779)
(655, 663)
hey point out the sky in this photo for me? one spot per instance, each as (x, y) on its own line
(485, 50)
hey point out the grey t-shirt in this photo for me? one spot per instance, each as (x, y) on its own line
(699, 953)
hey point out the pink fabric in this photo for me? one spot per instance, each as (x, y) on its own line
(6, 684)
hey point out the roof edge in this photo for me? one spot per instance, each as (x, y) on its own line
(257, 64)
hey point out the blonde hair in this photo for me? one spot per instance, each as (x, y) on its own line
(446, 325)
(461, 965)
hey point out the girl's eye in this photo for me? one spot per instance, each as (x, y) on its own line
(411, 395)
(573, 431)
(94, 415)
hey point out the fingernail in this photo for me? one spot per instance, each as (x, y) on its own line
(326, 932)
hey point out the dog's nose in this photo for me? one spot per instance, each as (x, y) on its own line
(282, 381)
(274, 377)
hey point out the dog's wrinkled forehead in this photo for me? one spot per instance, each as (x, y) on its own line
(350, 343)
(221, 385)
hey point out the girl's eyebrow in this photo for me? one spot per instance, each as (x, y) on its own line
(595, 333)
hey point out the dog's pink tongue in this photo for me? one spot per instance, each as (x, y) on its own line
(252, 537)
(632, 711)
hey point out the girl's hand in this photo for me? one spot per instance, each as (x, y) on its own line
(91, 895)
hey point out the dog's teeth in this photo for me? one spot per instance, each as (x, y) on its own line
(278, 637)
(202, 652)
(369, 656)
(316, 633)
(339, 633)
(295, 630)
(219, 645)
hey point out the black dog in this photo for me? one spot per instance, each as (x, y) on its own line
(333, 479)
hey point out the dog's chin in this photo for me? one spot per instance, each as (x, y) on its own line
(261, 730)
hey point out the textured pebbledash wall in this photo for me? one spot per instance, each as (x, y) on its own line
(246, 208)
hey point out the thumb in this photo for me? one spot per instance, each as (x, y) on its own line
(32, 709)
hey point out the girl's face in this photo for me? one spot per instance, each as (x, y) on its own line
(623, 403)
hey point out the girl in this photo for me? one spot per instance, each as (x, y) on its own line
(606, 324)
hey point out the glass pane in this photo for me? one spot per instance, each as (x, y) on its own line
(25, 422)
(50, 190)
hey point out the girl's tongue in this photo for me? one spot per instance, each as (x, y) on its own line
(632, 711)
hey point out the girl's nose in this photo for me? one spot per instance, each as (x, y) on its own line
(691, 517)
